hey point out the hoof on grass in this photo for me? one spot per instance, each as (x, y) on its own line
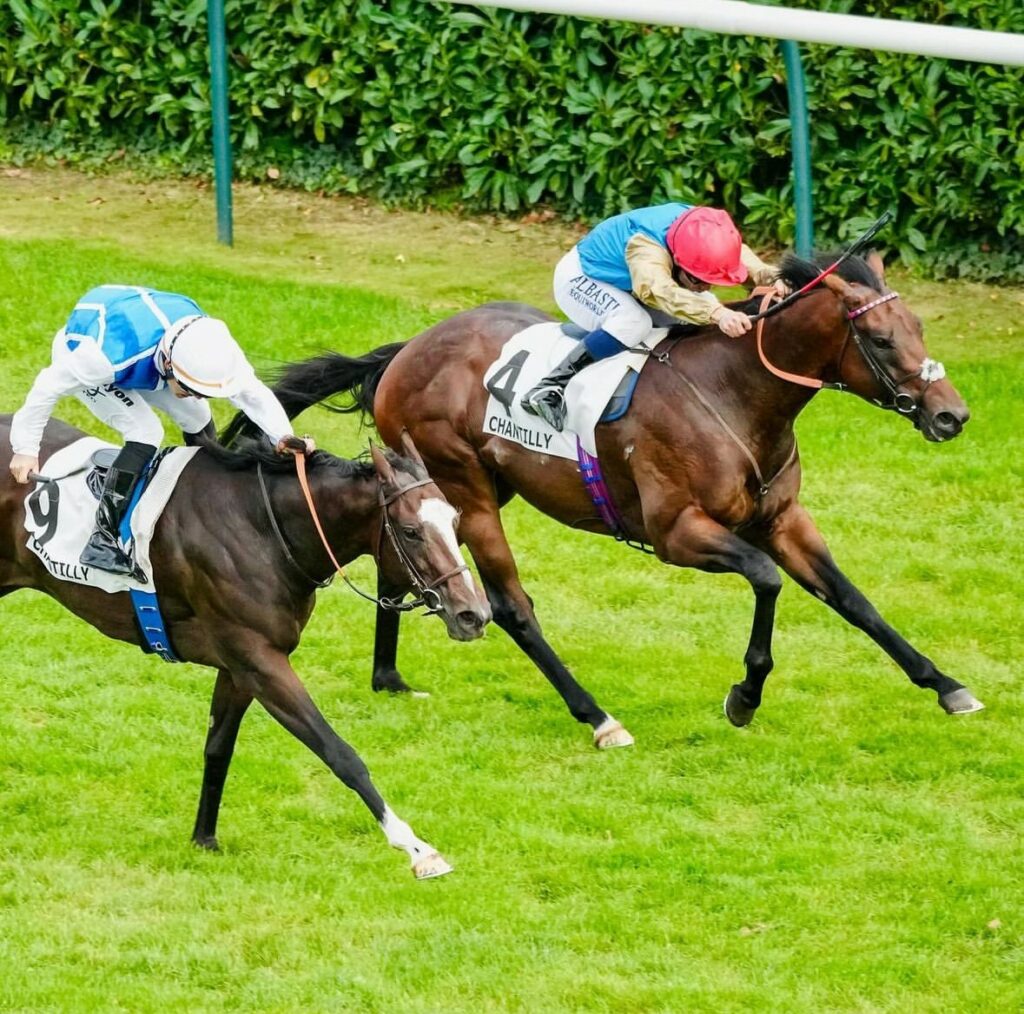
(392, 682)
(960, 702)
(434, 865)
(739, 713)
(610, 734)
(209, 844)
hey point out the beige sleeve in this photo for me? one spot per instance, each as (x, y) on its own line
(650, 272)
(761, 273)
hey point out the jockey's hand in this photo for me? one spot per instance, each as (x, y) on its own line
(22, 464)
(296, 445)
(732, 322)
(781, 288)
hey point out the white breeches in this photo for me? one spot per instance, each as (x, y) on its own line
(593, 304)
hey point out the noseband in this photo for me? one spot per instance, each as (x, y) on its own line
(898, 401)
(427, 591)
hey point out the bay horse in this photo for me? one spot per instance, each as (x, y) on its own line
(236, 563)
(704, 467)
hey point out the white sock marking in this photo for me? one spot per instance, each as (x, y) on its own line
(400, 836)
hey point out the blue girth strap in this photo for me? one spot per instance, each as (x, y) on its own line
(151, 623)
(147, 609)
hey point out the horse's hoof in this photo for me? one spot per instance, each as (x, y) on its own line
(392, 682)
(209, 844)
(434, 865)
(610, 734)
(736, 711)
(960, 702)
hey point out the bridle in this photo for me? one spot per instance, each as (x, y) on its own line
(427, 593)
(898, 400)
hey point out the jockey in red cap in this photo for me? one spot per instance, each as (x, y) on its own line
(643, 269)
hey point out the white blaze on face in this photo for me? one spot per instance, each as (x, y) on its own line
(440, 515)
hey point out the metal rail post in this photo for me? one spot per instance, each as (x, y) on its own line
(801, 146)
(221, 128)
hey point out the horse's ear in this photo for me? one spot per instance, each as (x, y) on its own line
(844, 290)
(409, 448)
(383, 466)
(874, 261)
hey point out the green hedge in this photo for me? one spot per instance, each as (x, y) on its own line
(493, 110)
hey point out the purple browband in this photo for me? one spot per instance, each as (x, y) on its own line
(872, 305)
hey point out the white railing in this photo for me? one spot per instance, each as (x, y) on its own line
(735, 17)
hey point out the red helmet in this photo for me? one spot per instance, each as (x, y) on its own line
(705, 243)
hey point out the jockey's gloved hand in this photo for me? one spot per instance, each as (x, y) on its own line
(295, 445)
(22, 465)
(731, 322)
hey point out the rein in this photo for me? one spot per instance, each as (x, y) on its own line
(428, 596)
(899, 401)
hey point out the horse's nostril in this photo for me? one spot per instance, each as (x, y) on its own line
(470, 620)
(947, 423)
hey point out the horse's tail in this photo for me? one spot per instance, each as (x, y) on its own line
(299, 386)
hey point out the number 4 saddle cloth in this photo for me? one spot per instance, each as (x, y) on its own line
(599, 393)
(60, 513)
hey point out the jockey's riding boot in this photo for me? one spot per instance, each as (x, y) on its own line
(547, 397)
(104, 550)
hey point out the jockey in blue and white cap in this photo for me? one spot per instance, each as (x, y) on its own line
(124, 351)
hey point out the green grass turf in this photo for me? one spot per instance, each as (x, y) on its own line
(854, 850)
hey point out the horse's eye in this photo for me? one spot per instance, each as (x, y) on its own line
(412, 533)
(881, 341)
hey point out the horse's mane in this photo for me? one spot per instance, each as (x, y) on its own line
(248, 453)
(798, 272)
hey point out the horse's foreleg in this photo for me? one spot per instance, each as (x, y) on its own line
(385, 643)
(226, 711)
(275, 685)
(513, 612)
(695, 540)
(797, 545)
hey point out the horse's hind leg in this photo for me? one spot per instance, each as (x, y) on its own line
(799, 548)
(275, 685)
(513, 612)
(227, 708)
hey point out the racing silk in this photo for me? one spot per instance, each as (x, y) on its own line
(126, 323)
(109, 345)
(603, 250)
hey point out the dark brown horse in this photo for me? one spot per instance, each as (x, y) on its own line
(236, 597)
(703, 467)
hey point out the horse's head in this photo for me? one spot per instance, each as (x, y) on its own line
(884, 359)
(418, 545)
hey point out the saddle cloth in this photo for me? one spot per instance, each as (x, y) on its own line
(532, 354)
(59, 525)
